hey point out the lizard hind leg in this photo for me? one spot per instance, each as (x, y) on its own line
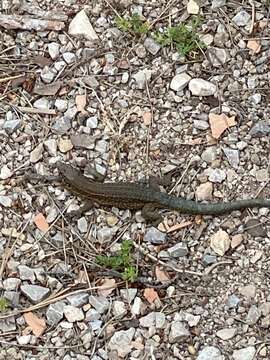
(151, 214)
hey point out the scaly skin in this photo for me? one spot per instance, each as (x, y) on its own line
(127, 195)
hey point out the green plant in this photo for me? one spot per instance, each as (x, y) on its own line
(183, 37)
(132, 24)
(122, 262)
(3, 304)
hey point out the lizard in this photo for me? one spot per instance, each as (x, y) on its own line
(132, 195)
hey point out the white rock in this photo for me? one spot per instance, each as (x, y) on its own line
(226, 334)
(36, 154)
(180, 81)
(179, 332)
(73, 313)
(42, 103)
(61, 105)
(53, 49)
(121, 342)
(81, 25)
(217, 56)
(193, 7)
(242, 18)
(69, 57)
(141, 77)
(210, 353)
(220, 242)
(5, 172)
(245, 353)
(218, 3)
(204, 191)
(201, 87)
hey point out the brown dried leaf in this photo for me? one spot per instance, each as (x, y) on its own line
(80, 101)
(37, 325)
(220, 123)
(47, 90)
(41, 222)
(150, 295)
(161, 275)
(107, 287)
(254, 45)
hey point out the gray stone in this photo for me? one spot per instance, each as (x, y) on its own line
(101, 146)
(11, 283)
(35, 293)
(179, 332)
(180, 81)
(201, 87)
(154, 236)
(78, 300)
(253, 315)
(248, 291)
(42, 104)
(82, 225)
(61, 125)
(55, 312)
(92, 315)
(69, 57)
(47, 75)
(216, 4)
(119, 309)
(151, 45)
(128, 294)
(216, 175)
(209, 259)
(226, 334)
(105, 234)
(120, 342)
(241, 18)
(53, 50)
(95, 325)
(210, 353)
(80, 25)
(204, 191)
(255, 98)
(13, 297)
(5, 201)
(73, 314)
(12, 125)
(217, 56)
(255, 228)
(233, 301)
(100, 303)
(7, 325)
(245, 353)
(51, 146)
(5, 172)
(24, 339)
(209, 154)
(153, 319)
(178, 250)
(141, 77)
(261, 128)
(92, 122)
(233, 156)
(200, 124)
(37, 153)
(26, 273)
(61, 105)
(83, 141)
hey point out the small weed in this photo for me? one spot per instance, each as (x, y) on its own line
(132, 24)
(122, 262)
(183, 37)
(3, 304)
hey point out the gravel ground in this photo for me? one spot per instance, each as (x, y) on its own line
(77, 87)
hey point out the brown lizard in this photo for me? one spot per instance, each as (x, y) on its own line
(129, 195)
